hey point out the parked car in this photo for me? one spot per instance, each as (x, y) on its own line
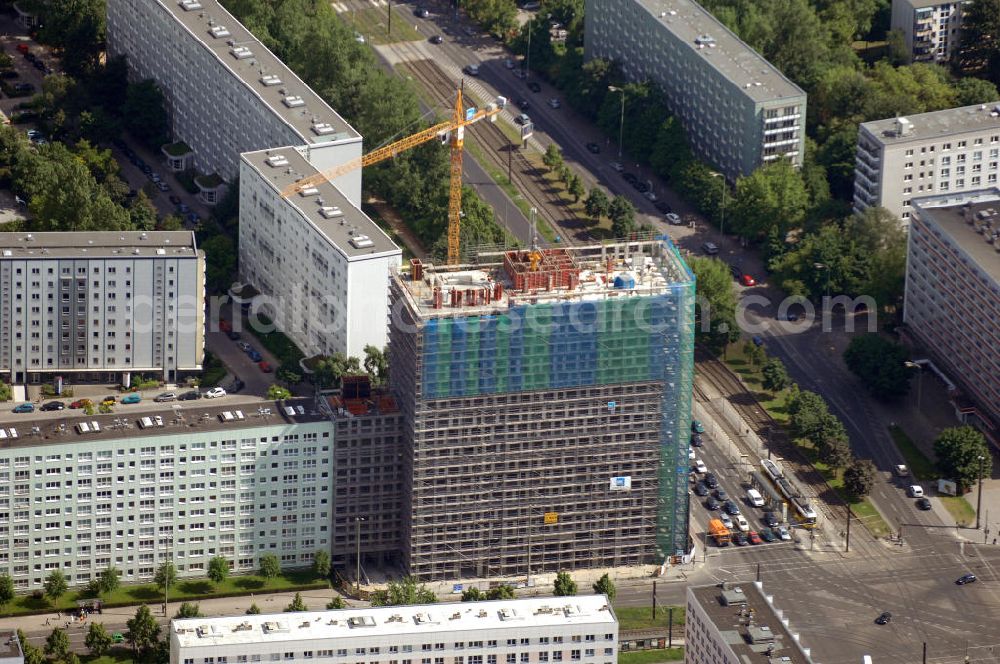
(25, 408)
(754, 537)
(593, 148)
(741, 523)
(966, 579)
(109, 400)
(783, 534)
(640, 186)
(711, 503)
(768, 535)
(265, 367)
(235, 336)
(52, 405)
(739, 538)
(81, 403)
(166, 396)
(754, 498)
(215, 393)
(520, 73)
(523, 119)
(244, 346)
(721, 494)
(697, 440)
(193, 395)
(554, 103)
(472, 70)
(700, 467)
(175, 200)
(8, 73)
(651, 196)
(23, 48)
(255, 356)
(132, 398)
(747, 280)
(534, 86)
(509, 64)
(436, 39)
(523, 104)
(712, 481)
(674, 218)
(916, 491)
(731, 508)
(726, 520)
(710, 248)
(884, 618)
(770, 519)
(617, 167)
(697, 426)
(421, 12)
(700, 489)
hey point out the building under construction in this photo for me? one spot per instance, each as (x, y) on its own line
(545, 397)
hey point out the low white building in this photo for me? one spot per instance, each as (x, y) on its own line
(549, 629)
(320, 263)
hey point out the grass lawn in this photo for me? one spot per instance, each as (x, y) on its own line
(371, 23)
(960, 509)
(920, 466)
(651, 656)
(641, 617)
(772, 402)
(188, 589)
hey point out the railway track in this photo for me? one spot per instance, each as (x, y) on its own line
(495, 144)
(792, 460)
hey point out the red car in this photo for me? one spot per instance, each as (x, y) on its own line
(747, 280)
(23, 48)
(225, 325)
(754, 537)
(265, 367)
(80, 403)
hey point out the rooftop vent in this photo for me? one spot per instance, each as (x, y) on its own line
(190, 5)
(275, 627)
(160, 251)
(425, 619)
(308, 191)
(361, 242)
(322, 129)
(705, 40)
(241, 52)
(903, 127)
(361, 621)
(509, 614)
(330, 212)
(270, 79)
(219, 31)
(277, 160)
(294, 101)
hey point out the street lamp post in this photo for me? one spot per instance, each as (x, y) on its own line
(357, 538)
(824, 266)
(920, 379)
(979, 498)
(527, 54)
(722, 219)
(621, 123)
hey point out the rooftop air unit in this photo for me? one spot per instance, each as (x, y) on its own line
(190, 5)
(277, 160)
(904, 127)
(322, 129)
(219, 31)
(294, 101)
(331, 212)
(241, 52)
(308, 191)
(270, 79)
(361, 242)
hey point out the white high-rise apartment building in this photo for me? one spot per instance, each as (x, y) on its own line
(546, 630)
(101, 306)
(83, 493)
(739, 111)
(943, 152)
(321, 264)
(932, 28)
(225, 92)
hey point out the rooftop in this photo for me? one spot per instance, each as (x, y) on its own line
(924, 126)
(921, 4)
(971, 220)
(101, 244)
(740, 64)
(10, 647)
(261, 71)
(176, 418)
(376, 622)
(506, 279)
(749, 623)
(349, 229)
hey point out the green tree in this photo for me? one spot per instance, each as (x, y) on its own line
(278, 393)
(220, 263)
(297, 604)
(597, 204)
(880, 364)
(498, 17)
(55, 585)
(774, 375)
(473, 594)
(975, 91)
(605, 586)
(376, 364)
(329, 370)
(810, 418)
(143, 631)
(57, 644)
(962, 453)
(503, 591)
(622, 215)
(166, 575)
(98, 641)
(76, 27)
(270, 568)
(321, 563)
(836, 453)
(979, 41)
(5, 391)
(859, 478)
(774, 195)
(142, 213)
(403, 592)
(6, 589)
(218, 569)
(553, 158)
(145, 114)
(32, 653)
(336, 603)
(575, 187)
(188, 610)
(754, 353)
(109, 580)
(255, 610)
(564, 585)
(715, 304)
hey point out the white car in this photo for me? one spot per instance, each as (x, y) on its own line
(741, 523)
(754, 498)
(691, 454)
(618, 168)
(472, 70)
(916, 491)
(215, 392)
(651, 196)
(554, 103)
(700, 467)
(726, 520)
(783, 533)
(674, 218)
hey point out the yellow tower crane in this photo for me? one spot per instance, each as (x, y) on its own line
(452, 130)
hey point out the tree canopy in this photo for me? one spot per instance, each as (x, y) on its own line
(402, 592)
(564, 585)
(880, 364)
(715, 311)
(962, 453)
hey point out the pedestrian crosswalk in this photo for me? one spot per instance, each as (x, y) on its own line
(339, 7)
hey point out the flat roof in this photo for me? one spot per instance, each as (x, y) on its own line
(730, 56)
(178, 418)
(968, 219)
(376, 622)
(502, 280)
(749, 642)
(221, 33)
(922, 4)
(10, 647)
(937, 124)
(98, 244)
(348, 229)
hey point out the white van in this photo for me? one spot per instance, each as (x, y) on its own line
(754, 498)
(916, 491)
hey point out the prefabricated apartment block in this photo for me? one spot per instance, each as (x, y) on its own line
(546, 404)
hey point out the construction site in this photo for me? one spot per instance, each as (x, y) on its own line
(546, 403)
